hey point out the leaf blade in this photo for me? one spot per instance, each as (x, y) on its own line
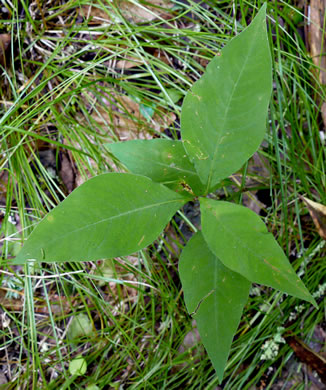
(242, 242)
(230, 99)
(209, 290)
(164, 161)
(110, 215)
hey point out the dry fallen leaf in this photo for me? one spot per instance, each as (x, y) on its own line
(191, 344)
(133, 12)
(67, 171)
(141, 13)
(306, 355)
(94, 15)
(316, 39)
(4, 176)
(119, 295)
(318, 215)
(127, 63)
(5, 40)
(123, 115)
(258, 173)
(58, 304)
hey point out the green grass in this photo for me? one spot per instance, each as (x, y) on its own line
(65, 90)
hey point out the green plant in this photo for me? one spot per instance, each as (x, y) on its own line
(222, 124)
(78, 366)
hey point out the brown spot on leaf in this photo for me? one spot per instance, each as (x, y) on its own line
(271, 265)
(141, 240)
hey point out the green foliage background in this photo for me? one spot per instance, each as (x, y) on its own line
(54, 94)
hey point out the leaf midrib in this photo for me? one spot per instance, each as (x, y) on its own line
(219, 135)
(193, 173)
(136, 210)
(261, 259)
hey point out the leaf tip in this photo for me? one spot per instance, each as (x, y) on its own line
(313, 302)
(220, 375)
(309, 298)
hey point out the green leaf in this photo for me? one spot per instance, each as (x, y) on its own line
(110, 215)
(216, 294)
(240, 239)
(80, 326)
(164, 161)
(223, 118)
(174, 94)
(78, 366)
(12, 235)
(106, 270)
(146, 111)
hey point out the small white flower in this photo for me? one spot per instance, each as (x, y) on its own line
(271, 346)
(299, 308)
(264, 307)
(255, 292)
(270, 349)
(320, 292)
